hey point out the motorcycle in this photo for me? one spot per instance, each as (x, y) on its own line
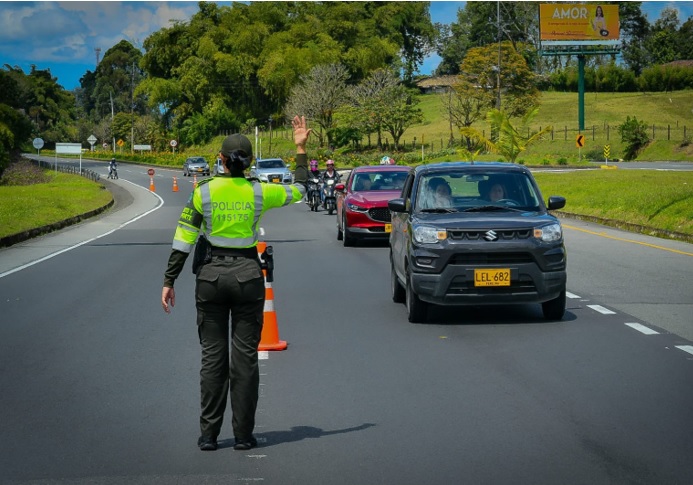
(330, 199)
(313, 194)
(113, 173)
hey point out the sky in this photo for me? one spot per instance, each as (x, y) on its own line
(63, 36)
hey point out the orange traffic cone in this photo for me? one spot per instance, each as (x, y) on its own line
(151, 184)
(175, 184)
(194, 181)
(270, 332)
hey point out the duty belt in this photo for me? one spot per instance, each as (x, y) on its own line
(250, 253)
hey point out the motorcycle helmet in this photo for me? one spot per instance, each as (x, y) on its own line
(313, 165)
(385, 160)
(330, 162)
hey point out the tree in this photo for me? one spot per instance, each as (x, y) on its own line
(400, 111)
(115, 78)
(318, 96)
(518, 90)
(479, 24)
(366, 109)
(464, 104)
(634, 29)
(511, 140)
(251, 55)
(661, 43)
(685, 41)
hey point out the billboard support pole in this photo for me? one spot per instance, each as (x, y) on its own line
(581, 92)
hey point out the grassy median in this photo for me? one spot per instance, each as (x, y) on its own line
(48, 198)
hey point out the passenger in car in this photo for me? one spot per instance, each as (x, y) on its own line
(439, 194)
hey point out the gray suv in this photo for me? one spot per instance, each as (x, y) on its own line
(476, 234)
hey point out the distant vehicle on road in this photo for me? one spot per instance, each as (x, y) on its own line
(273, 170)
(476, 234)
(218, 167)
(195, 165)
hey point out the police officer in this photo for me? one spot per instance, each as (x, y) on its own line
(227, 210)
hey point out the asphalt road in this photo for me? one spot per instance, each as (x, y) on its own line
(100, 386)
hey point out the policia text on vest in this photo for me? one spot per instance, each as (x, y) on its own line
(226, 210)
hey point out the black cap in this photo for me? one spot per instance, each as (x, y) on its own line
(236, 142)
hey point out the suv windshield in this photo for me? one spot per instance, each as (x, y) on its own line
(478, 191)
(384, 180)
(271, 164)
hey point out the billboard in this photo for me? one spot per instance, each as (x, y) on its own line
(578, 24)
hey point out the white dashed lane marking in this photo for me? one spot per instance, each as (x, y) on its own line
(642, 329)
(572, 296)
(601, 309)
(686, 348)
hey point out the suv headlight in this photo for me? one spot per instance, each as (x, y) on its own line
(428, 234)
(550, 233)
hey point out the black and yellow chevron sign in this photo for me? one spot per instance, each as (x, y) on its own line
(607, 151)
(580, 141)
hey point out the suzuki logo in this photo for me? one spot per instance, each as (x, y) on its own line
(491, 236)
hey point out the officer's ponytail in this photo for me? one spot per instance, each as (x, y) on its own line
(237, 162)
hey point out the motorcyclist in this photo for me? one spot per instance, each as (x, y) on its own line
(314, 171)
(329, 174)
(112, 166)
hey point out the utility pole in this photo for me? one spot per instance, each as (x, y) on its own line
(98, 52)
(112, 115)
(132, 110)
(498, 97)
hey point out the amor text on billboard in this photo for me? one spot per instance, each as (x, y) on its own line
(578, 23)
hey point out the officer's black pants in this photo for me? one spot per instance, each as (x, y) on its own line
(234, 285)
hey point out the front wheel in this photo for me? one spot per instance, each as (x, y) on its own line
(346, 238)
(399, 294)
(554, 309)
(417, 310)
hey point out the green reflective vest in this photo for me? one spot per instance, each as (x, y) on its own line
(228, 210)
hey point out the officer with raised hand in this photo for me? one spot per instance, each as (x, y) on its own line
(227, 210)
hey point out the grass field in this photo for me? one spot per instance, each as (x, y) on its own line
(30, 206)
(670, 113)
(658, 200)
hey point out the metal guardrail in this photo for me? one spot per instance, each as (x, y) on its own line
(90, 174)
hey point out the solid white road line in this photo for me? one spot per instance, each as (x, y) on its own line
(686, 348)
(642, 329)
(263, 355)
(601, 309)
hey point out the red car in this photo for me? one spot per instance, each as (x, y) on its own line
(362, 211)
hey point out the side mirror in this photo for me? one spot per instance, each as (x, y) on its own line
(339, 187)
(556, 202)
(252, 167)
(396, 205)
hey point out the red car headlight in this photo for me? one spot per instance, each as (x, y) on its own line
(356, 208)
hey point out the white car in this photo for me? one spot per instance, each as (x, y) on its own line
(272, 170)
(218, 167)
